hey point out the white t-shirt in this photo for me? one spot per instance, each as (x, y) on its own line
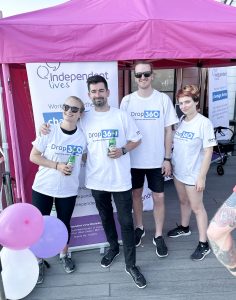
(58, 146)
(102, 172)
(190, 139)
(152, 115)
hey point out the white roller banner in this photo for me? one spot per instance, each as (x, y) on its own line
(50, 84)
(218, 98)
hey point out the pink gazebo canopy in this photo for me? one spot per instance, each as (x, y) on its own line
(169, 32)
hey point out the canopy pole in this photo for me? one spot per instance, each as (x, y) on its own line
(20, 195)
(6, 178)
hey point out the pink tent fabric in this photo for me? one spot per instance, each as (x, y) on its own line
(173, 33)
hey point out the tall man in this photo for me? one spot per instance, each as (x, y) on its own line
(154, 115)
(108, 171)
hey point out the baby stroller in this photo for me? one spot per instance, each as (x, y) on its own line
(223, 148)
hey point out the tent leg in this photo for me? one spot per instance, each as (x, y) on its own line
(20, 195)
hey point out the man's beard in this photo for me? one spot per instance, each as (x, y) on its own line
(99, 102)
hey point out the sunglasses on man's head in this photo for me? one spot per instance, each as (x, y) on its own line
(73, 109)
(145, 74)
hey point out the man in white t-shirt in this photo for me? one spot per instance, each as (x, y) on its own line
(108, 171)
(154, 115)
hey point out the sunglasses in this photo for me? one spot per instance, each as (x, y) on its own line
(145, 74)
(73, 109)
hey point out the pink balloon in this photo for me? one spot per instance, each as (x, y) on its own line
(21, 225)
(53, 239)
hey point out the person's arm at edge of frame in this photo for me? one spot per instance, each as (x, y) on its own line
(166, 166)
(219, 235)
(201, 179)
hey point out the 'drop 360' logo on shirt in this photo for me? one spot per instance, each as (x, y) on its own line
(185, 135)
(76, 150)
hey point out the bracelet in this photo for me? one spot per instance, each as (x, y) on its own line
(167, 159)
(56, 164)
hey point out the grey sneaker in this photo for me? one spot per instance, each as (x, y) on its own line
(41, 271)
(201, 251)
(161, 249)
(42, 263)
(139, 234)
(67, 263)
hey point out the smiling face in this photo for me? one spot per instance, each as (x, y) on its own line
(143, 82)
(72, 110)
(187, 105)
(99, 94)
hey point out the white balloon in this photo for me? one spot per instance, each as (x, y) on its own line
(20, 272)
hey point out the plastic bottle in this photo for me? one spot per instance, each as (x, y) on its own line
(112, 141)
(71, 161)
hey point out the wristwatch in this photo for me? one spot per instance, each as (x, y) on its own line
(124, 150)
(167, 159)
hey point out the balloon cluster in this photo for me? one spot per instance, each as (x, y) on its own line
(25, 234)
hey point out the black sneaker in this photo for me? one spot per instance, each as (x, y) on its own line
(67, 263)
(137, 276)
(139, 234)
(109, 257)
(201, 251)
(161, 249)
(179, 231)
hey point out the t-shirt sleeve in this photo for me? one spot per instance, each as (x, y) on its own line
(170, 115)
(131, 130)
(41, 142)
(124, 103)
(209, 139)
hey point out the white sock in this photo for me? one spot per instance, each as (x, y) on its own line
(62, 254)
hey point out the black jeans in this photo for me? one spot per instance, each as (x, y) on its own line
(123, 202)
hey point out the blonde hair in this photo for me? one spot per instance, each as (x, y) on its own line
(80, 101)
(190, 90)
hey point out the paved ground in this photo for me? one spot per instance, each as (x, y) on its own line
(174, 277)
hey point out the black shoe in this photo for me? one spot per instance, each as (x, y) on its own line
(137, 276)
(109, 257)
(42, 263)
(161, 249)
(67, 263)
(139, 234)
(201, 251)
(179, 231)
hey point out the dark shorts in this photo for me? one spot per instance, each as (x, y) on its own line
(154, 177)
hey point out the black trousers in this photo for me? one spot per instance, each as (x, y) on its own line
(123, 202)
(64, 207)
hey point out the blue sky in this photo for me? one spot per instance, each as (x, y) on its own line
(14, 7)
